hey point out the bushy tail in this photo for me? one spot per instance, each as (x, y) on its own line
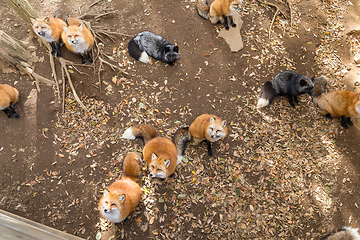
(203, 8)
(268, 94)
(144, 131)
(319, 87)
(180, 139)
(132, 167)
(345, 233)
(137, 53)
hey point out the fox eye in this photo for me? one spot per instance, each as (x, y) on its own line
(76, 35)
(211, 129)
(113, 204)
(218, 131)
(106, 202)
(159, 169)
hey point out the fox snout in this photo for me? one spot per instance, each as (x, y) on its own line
(73, 41)
(41, 33)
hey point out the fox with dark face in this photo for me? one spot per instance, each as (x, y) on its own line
(147, 44)
(285, 83)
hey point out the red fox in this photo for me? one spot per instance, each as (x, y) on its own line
(206, 127)
(221, 9)
(9, 96)
(160, 153)
(341, 103)
(50, 30)
(78, 38)
(122, 196)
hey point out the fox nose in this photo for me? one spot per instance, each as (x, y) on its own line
(41, 33)
(106, 210)
(73, 41)
(152, 175)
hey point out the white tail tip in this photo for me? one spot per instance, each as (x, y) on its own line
(128, 134)
(262, 103)
(179, 159)
(353, 232)
(144, 58)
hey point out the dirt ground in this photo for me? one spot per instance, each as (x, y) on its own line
(281, 173)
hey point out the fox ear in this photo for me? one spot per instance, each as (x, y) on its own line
(122, 198)
(303, 82)
(176, 49)
(212, 119)
(312, 78)
(223, 123)
(153, 156)
(32, 20)
(47, 20)
(106, 193)
(81, 27)
(167, 49)
(65, 29)
(167, 162)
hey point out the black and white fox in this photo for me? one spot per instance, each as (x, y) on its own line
(345, 233)
(287, 83)
(147, 44)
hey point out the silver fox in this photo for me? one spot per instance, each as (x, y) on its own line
(147, 44)
(345, 233)
(287, 83)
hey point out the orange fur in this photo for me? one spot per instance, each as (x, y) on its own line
(120, 199)
(221, 8)
(8, 96)
(77, 32)
(132, 167)
(201, 127)
(160, 155)
(49, 29)
(339, 103)
(122, 196)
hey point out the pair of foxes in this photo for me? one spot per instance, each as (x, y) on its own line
(64, 29)
(342, 103)
(161, 155)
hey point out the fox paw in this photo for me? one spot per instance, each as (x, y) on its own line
(233, 25)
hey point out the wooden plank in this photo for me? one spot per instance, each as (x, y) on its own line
(13, 227)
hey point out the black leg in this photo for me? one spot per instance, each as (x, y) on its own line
(89, 57)
(83, 61)
(291, 101)
(8, 113)
(13, 111)
(232, 22)
(53, 48)
(296, 100)
(343, 122)
(226, 23)
(208, 143)
(58, 54)
(349, 122)
(329, 116)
